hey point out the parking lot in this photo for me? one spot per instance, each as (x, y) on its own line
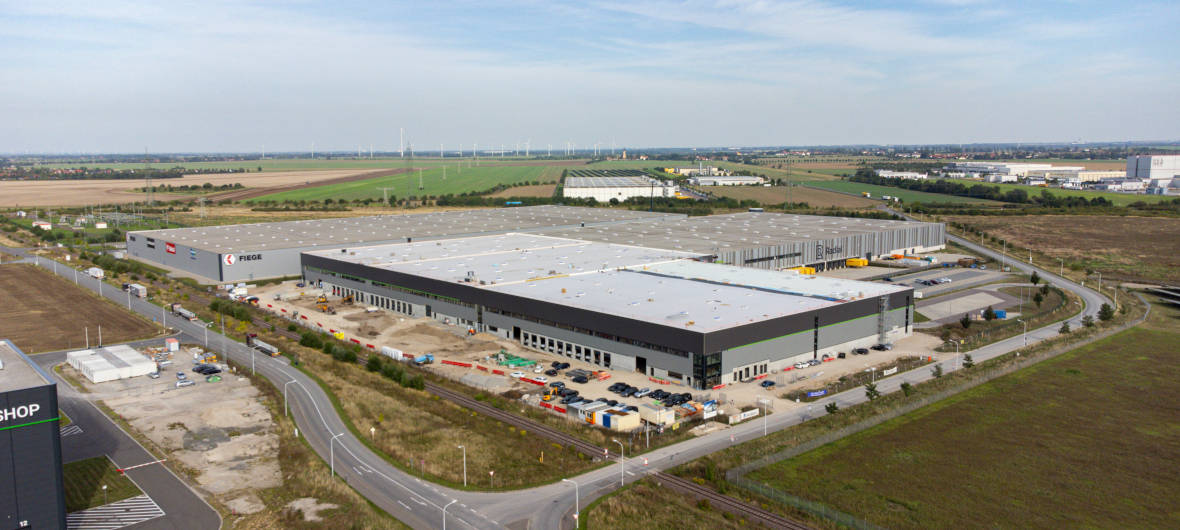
(959, 278)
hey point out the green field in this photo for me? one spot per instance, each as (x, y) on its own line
(1119, 199)
(474, 179)
(84, 480)
(906, 195)
(1087, 439)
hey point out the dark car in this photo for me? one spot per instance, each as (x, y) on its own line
(617, 387)
(883, 347)
(632, 408)
(555, 364)
(557, 384)
(551, 372)
(563, 366)
(580, 379)
(861, 351)
(840, 355)
(767, 384)
(612, 402)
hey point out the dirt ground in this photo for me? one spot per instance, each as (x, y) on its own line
(422, 335)
(41, 312)
(777, 195)
(540, 190)
(1126, 248)
(83, 192)
(250, 193)
(220, 430)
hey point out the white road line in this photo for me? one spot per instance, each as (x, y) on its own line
(115, 515)
(70, 430)
(404, 505)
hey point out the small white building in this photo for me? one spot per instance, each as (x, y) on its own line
(44, 225)
(22, 213)
(1001, 177)
(603, 189)
(110, 363)
(100, 224)
(699, 171)
(1153, 167)
(1121, 185)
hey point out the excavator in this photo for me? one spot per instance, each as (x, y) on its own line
(347, 300)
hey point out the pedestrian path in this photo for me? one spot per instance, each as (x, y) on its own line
(115, 515)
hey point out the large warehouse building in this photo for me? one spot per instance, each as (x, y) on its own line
(656, 311)
(604, 189)
(764, 240)
(31, 489)
(248, 252)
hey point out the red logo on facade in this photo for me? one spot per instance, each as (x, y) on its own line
(170, 248)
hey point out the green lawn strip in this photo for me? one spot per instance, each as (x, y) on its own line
(63, 419)
(84, 479)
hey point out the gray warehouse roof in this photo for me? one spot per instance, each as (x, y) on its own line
(657, 286)
(610, 182)
(385, 228)
(707, 234)
(16, 370)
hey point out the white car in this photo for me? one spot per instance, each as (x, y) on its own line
(517, 375)
(801, 365)
(541, 379)
(539, 369)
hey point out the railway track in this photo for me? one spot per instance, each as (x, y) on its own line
(729, 504)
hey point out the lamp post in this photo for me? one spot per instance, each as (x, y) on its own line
(956, 343)
(453, 501)
(332, 453)
(622, 462)
(464, 464)
(577, 504)
(1061, 269)
(1025, 322)
(104, 493)
(285, 411)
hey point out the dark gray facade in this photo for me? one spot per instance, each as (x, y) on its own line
(31, 491)
(699, 358)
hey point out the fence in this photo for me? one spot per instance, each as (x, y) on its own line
(979, 376)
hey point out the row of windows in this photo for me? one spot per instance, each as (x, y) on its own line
(383, 302)
(568, 349)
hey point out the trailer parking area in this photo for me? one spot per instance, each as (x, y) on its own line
(42, 312)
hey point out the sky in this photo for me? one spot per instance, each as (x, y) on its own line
(213, 76)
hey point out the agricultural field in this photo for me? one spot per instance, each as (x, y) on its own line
(1069, 442)
(319, 164)
(31, 193)
(83, 481)
(540, 190)
(906, 195)
(645, 504)
(1120, 247)
(456, 180)
(778, 194)
(41, 312)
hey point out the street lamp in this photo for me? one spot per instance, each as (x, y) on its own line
(956, 343)
(285, 411)
(453, 501)
(332, 453)
(464, 465)
(1061, 269)
(622, 466)
(104, 493)
(1025, 322)
(577, 503)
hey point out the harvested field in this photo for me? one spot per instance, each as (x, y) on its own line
(83, 192)
(1122, 248)
(540, 190)
(238, 195)
(41, 312)
(1065, 443)
(777, 195)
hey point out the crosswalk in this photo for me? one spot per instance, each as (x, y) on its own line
(115, 515)
(70, 430)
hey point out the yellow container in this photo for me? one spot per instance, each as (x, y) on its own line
(857, 262)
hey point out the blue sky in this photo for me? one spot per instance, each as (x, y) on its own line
(237, 76)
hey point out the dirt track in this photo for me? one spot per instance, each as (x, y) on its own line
(40, 312)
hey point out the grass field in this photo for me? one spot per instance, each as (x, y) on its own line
(778, 194)
(84, 480)
(302, 164)
(466, 180)
(1070, 442)
(644, 504)
(1128, 248)
(906, 195)
(41, 312)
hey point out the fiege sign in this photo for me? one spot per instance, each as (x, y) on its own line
(170, 248)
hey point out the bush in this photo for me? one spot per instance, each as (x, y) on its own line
(907, 388)
(871, 391)
(1105, 313)
(1064, 328)
(1034, 278)
(1088, 321)
(832, 408)
(373, 364)
(292, 327)
(937, 370)
(968, 362)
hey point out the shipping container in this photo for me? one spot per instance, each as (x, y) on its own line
(95, 272)
(137, 290)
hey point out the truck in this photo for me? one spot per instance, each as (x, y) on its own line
(183, 313)
(393, 353)
(95, 272)
(253, 341)
(137, 290)
(426, 358)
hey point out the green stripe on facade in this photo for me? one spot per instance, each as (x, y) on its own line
(30, 423)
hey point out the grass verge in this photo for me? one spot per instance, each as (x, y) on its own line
(645, 504)
(83, 481)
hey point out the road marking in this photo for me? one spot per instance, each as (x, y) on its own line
(70, 430)
(419, 501)
(404, 505)
(115, 515)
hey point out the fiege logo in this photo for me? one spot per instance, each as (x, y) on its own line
(170, 248)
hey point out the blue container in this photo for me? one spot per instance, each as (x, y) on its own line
(1000, 313)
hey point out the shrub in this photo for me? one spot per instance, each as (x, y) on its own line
(1064, 328)
(907, 388)
(871, 391)
(1105, 313)
(1088, 321)
(937, 370)
(965, 321)
(832, 408)
(968, 362)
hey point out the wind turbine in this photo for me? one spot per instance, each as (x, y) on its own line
(527, 144)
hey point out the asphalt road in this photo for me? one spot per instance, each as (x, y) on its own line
(420, 504)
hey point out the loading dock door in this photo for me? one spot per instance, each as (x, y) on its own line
(641, 365)
(516, 332)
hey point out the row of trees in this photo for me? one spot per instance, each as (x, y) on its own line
(980, 191)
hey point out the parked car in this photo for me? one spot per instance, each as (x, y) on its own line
(840, 355)
(213, 379)
(642, 392)
(883, 347)
(617, 387)
(555, 364)
(767, 384)
(580, 379)
(563, 366)
(815, 362)
(540, 379)
(632, 408)
(801, 365)
(557, 384)
(517, 375)
(551, 372)
(181, 375)
(612, 402)
(154, 375)
(184, 383)
(861, 351)
(538, 369)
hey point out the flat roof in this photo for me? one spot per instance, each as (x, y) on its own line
(610, 182)
(19, 371)
(381, 228)
(717, 233)
(645, 284)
